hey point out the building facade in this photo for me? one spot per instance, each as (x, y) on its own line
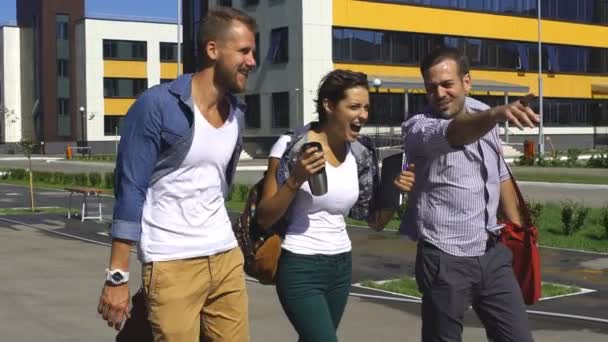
(68, 79)
(299, 41)
(116, 61)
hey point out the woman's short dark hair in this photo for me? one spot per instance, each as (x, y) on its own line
(334, 85)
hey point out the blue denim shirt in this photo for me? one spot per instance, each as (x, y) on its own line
(155, 138)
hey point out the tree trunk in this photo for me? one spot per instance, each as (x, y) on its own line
(31, 185)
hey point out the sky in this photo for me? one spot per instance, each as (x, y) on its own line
(153, 9)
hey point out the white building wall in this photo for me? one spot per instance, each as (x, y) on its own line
(10, 76)
(317, 50)
(95, 31)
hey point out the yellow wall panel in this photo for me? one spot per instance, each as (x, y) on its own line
(570, 86)
(117, 106)
(168, 70)
(125, 69)
(397, 17)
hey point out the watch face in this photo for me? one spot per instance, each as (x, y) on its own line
(117, 277)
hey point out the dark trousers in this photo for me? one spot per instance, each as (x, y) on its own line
(313, 290)
(451, 284)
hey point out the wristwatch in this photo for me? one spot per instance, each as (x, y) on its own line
(116, 277)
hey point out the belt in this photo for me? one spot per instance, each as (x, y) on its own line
(492, 241)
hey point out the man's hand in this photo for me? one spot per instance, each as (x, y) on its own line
(518, 113)
(405, 180)
(114, 304)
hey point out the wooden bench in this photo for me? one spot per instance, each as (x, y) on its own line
(86, 192)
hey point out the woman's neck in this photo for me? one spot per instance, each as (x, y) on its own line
(333, 141)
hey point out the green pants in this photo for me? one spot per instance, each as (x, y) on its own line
(313, 290)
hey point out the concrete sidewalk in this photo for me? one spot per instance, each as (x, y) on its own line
(51, 286)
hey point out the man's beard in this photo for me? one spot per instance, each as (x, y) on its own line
(455, 113)
(227, 78)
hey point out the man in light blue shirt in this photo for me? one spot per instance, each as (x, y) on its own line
(462, 182)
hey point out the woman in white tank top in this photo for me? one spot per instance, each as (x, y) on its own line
(314, 272)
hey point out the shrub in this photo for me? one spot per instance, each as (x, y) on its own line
(604, 219)
(573, 155)
(525, 161)
(43, 176)
(243, 190)
(536, 209)
(573, 217)
(108, 178)
(17, 174)
(94, 179)
(598, 160)
(81, 179)
(69, 179)
(555, 159)
(58, 177)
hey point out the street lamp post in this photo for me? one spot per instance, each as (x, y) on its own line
(179, 37)
(541, 137)
(377, 83)
(83, 122)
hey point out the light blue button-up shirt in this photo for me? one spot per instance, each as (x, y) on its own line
(454, 202)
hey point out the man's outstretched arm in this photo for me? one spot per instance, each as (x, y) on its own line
(467, 128)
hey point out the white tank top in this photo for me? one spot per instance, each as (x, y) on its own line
(316, 224)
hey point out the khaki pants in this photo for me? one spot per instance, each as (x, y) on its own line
(182, 292)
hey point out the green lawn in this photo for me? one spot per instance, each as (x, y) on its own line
(560, 178)
(21, 211)
(592, 237)
(44, 185)
(408, 286)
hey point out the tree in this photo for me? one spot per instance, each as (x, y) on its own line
(27, 148)
(6, 116)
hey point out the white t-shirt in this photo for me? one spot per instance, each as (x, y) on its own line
(184, 215)
(316, 224)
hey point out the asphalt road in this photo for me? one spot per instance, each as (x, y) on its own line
(51, 285)
(376, 256)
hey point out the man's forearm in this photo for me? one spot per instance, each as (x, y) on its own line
(121, 251)
(467, 128)
(509, 204)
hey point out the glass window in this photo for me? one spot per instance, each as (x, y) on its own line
(588, 11)
(280, 110)
(63, 106)
(126, 50)
(123, 87)
(62, 24)
(387, 109)
(168, 52)
(112, 124)
(403, 49)
(252, 115)
(409, 48)
(62, 68)
(64, 123)
(278, 51)
(370, 45)
(560, 111)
